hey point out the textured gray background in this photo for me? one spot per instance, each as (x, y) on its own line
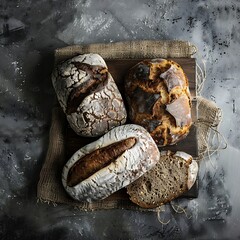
(30, 31)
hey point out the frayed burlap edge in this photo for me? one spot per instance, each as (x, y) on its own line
(209, 118)
(131, 49)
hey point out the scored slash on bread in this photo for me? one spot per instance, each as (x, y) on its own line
(88, 95)
(108, 169)
(174, 174)
(96, 160)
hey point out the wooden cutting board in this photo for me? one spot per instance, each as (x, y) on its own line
(119, 68)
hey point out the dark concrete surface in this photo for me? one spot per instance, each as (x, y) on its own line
(29, 32)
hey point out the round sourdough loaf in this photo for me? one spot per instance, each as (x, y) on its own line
(112, 162)
(88, 95)
(158, 99)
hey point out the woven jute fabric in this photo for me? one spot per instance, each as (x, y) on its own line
(209, 117)
(50, 188)
(131, 49)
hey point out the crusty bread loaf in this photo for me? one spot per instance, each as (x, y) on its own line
(88, 95)
(96, 160)
(158, 98)
(174, 174)
(112, 162)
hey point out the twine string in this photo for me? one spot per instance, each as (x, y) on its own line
(179, 209)
(159, 210)
(200, 76)
(211, 148)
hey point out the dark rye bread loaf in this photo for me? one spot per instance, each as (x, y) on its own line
(158, 99)
(174, 174)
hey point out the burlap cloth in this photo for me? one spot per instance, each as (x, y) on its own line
(50, 188)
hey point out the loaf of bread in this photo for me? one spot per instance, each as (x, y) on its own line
(158, 99)
(88, 95)
(174, 174)
(112, 162)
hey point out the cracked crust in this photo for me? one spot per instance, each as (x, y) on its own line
(159, 100)
(128, 167)
(88, 95)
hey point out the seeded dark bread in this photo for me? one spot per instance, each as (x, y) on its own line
(158, 97)
(88, 95)
(112, 162)
(174, 174)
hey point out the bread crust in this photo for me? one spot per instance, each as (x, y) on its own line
(129, 166)
(88, 95)
(96, 160)
(158, 97)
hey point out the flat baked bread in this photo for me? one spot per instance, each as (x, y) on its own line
(174, 174)
(158, 99)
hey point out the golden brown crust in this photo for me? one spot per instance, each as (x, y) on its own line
(158, 95)
(98, 159)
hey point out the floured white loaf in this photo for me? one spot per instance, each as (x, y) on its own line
(112, 162)
(88, 95)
